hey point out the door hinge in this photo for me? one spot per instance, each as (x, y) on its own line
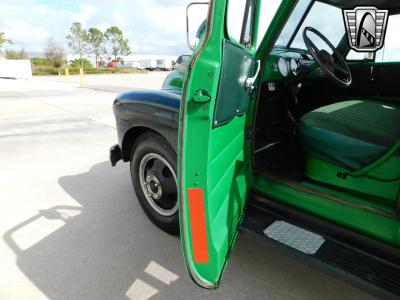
(201, 96)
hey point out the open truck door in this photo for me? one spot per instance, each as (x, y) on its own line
(214, 164)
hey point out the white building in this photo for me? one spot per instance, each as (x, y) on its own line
(141, 61)
(151, 62)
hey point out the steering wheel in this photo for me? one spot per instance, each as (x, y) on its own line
(327, 61)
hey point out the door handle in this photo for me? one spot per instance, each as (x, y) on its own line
(201, 96)
(249, 83)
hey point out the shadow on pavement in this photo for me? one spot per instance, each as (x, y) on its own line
(106, 248)
(99, 249)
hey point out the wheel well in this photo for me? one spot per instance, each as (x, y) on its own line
(130, 138)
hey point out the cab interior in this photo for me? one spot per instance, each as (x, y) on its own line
(327, 120)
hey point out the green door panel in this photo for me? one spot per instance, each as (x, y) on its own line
(213, 169)
(233, 96)
(214, 152)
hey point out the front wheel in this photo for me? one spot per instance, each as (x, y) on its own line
(153, 173)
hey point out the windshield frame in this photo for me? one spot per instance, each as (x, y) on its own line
(302, 20)
(299, 25)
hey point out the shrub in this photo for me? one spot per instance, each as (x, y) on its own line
(12, 54)
(50, 70)
(40, 62)
(76, 64)
(44, 70)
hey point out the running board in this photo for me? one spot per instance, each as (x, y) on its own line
(370, 272)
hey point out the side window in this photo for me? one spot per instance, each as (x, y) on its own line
(268, 10)
(235, 18)
(360, 56)
(391, 49)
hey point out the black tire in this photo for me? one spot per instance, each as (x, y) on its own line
(149, 144)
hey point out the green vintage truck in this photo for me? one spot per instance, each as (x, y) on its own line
(279, 127)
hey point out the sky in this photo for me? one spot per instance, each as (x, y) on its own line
(151, 26)
(155, 27)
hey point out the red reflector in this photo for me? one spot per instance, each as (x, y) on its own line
(198, 225)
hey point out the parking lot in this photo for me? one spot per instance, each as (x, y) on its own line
(71, 227)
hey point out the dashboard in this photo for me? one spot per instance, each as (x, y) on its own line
(285, 63)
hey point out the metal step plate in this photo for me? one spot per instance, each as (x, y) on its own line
(374, 273)
(294, 237)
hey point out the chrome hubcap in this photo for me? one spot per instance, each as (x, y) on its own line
(159, 184)
(153, 186)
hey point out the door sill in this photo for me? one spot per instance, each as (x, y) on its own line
(362, 260)
(328, 196)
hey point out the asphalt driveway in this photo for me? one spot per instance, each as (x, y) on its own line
(71, 227)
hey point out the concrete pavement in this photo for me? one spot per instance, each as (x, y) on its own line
(71, 227)
(112, 82)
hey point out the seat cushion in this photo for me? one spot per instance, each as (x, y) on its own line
(351, 134)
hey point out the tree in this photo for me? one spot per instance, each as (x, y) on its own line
(55, 53)
(125, 50)
(78, 38)
(3, 40)
(96, 43)
(119, 45)
(12, 54)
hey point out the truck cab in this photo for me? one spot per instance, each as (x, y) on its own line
(287, 132)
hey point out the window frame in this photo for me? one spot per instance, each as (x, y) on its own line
(249, 11)
(300, 24)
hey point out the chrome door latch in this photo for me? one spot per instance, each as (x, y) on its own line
(249, 83)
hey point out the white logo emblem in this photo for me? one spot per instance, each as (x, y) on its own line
(366, 28)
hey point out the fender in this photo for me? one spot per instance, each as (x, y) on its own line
(141, 110)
